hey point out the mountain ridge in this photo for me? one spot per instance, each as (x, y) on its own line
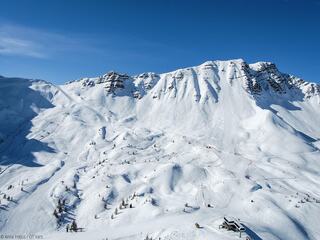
(191, 145)
(256, 77)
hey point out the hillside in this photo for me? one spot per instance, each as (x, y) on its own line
(192, 145)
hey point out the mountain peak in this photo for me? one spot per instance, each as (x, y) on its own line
(204, 81)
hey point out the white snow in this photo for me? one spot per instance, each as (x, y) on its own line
(242, 138)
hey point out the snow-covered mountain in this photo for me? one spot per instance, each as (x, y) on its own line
(152, 154)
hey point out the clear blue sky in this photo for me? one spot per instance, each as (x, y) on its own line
(61, 40)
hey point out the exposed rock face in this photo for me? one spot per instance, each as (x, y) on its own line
(265, 77)
(257, 79)
(112, 81)
(143, 83)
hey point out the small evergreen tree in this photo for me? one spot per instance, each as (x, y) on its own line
(74, 226)
(55, 213)
(60, 209)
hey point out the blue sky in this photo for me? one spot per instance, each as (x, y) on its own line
(61, 40)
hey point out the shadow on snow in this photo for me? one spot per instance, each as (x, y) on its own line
(18, 106)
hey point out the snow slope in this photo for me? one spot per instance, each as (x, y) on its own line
(241, 137)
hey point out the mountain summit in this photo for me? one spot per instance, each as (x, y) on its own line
(126, 157)
(255, 78)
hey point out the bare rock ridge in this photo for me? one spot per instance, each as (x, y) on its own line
(112, 81)
(256, 79)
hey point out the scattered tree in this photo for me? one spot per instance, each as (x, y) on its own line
(74, 226)
(55, 213)
(60, 209)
